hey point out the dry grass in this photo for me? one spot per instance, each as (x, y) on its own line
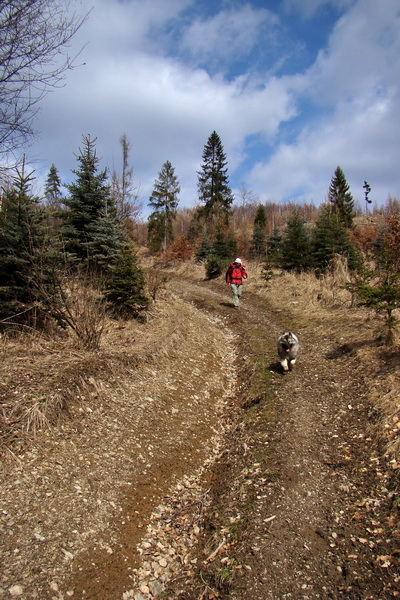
(44, 380)
(299, 291)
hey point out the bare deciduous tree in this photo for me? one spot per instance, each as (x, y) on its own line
(34, 38)
(123, 188)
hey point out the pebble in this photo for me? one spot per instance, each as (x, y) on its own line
(171, 534)
(155, 588)
(16, 590)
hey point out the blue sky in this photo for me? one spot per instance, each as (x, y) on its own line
(294, 88)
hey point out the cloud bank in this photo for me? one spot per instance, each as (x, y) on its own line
(292, 94)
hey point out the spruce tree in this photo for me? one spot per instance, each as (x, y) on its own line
(258, 242)
(155, 231)
(164, 200)
(92, 233)
(341, 199)
(125, 285)
(213, 182)
(274, 249)
(296, 245)
(21, 243)
(52, 188)
(330, 237)
(205, 248)
(223, 249)
(379, 288)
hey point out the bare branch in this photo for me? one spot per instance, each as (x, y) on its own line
(34, 38)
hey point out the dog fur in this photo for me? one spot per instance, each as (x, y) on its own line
(288, 349)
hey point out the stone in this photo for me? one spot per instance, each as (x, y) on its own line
(155, 588)
(16, 590)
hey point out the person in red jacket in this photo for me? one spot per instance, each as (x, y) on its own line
(234, 277)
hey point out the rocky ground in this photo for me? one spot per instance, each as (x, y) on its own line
(189, 467)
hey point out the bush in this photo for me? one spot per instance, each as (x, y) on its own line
(379, 288)
(125, 287)
(215, 265)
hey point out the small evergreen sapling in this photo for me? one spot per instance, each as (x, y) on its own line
(22, 240)
(379, 288)
(295, 247)
(258, 244)
(125, 286)
(329, 238)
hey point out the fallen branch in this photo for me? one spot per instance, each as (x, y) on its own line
(215, 552)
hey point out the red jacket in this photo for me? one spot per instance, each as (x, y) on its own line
(235, 274)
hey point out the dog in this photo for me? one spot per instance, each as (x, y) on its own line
(288, 349)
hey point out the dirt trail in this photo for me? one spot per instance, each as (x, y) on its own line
(75, 504)
(307, 509)
(232, 479)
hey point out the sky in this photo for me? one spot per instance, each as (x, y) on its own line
(294, 88)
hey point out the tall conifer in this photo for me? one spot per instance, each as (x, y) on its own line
(213, 181)
(52, 188)
(341, 199)
(164, 200)
(92, 232)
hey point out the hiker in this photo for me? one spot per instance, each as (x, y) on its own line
(234, 276)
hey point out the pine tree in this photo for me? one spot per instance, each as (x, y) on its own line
(273, 255)
(21, 241)
(106, 240)
(330, 237)
(341, 199)
(296, 245)
(225, 245)
(213, 182)
(379, 288)
(124, 289)
(92, 232)
(155, 232)
(274, 249)
(223, 249)
(205, 248)
(164, 200)
(52, 189)
(258, 242)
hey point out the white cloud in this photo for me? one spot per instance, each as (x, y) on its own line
(308, 8)
(166, 108)
(356, 80)
(116, 26)
(230, 33)
(363, 54)
(131, 84)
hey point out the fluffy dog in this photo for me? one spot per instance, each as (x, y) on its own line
(288, 349)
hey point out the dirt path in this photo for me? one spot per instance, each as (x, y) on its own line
(306, 512)
(76, 502)
(206, 473)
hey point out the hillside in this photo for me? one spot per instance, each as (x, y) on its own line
(186, 465)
